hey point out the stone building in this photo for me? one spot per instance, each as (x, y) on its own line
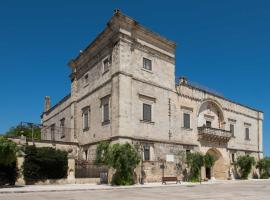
(123, 89)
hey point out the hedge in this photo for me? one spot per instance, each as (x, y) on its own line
(44, 163)
(8, 162)
(8, 174)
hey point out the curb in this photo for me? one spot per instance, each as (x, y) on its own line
(103, 188)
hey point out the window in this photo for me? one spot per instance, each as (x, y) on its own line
(247, 134)
(232, 129)
(53, 132)
(62, 127)
(147, 112)
(105, 110)
(147, 64)
(233, 157)
(146, 152)
(106, 64)
(187, 151)
(86, 154)
(208, 124)
(85, 116)
(186, 120)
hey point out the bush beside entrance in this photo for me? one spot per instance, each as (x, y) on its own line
(122, 157)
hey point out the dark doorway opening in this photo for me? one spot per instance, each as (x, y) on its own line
(208, 173)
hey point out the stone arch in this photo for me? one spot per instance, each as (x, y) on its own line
(219, 170)
(212, 110)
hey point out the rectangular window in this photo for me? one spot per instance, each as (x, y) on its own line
(247, 134)
(186, 120)
(233, 157)
(146, 152)
(62, 127)
(147, 64)
(106, 64)
(105, 106)
(147, 112)
(53, 132)
(232, 129)
(86, 119)
(208, 124)
(106, 116)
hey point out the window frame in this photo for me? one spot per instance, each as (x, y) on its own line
(108, 58)
(143, 113)
(146, 148)
(105, 101)
(247, 133)
(232, 129)
(62, 127)
(86, 112)
(184, 120)
(52, 129)
(145, 66)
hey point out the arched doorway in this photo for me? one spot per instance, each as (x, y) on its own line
(219, 170)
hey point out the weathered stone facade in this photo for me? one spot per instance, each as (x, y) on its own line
(111, 69)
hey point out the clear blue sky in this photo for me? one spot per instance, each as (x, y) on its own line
(224, 45)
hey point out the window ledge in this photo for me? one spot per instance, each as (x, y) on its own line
(247, 139)
(147, 122)
(85, 85)
(147, 70)
(106, 122)
(187, 129)
(86, 129)
(105, 72)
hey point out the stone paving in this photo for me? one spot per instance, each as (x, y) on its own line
(239, 190)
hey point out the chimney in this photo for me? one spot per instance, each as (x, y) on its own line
(47, 103)
(117, 12)
(183, 80)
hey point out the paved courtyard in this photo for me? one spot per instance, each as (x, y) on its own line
(226, 190)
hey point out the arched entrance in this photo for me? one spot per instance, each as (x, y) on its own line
(219, 170)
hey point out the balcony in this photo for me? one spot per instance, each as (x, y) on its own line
(214, 134)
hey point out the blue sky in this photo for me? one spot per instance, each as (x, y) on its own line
(223, 45)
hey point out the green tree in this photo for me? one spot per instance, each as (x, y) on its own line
(209, 160)
(25, 130)
(245, 164)
(122, 157)
(102, 153)
(195, 161)
(264, 166)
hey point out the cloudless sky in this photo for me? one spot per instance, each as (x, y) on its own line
(224, 45)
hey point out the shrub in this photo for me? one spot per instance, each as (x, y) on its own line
(8, 150)
(102, 153)
(245, 163)
(44, 163)
(195, 161)
(209, 160)
(123, 158)
(8, 162)
(264, 166)
(8, 173)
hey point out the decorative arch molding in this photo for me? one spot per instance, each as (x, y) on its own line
(217, 106)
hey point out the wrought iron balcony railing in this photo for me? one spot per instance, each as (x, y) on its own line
(214, 134)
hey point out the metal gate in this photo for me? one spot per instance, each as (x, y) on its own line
(85, 169)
